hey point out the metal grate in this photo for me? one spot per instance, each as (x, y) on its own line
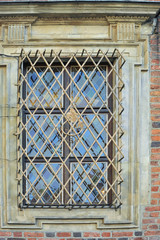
(69, 129)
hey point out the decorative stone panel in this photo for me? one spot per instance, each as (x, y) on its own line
(16, 32)
(125, 31)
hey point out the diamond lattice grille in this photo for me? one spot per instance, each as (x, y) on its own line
(69, 129)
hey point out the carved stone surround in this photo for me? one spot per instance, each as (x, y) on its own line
(46, 31)
(130, 35)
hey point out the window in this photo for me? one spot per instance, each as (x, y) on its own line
(69, 129)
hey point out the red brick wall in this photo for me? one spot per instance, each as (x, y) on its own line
(72, 0)
(151, 216)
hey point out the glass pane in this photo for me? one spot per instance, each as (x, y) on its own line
(40, 176)
(39, 129)
(88, 184)
(45, 88)
(93, 91)
(92, 135)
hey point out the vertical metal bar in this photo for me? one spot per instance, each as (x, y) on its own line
(110, 129)
(23, 118)
(66, 127)
(119, 120)
(18, 131)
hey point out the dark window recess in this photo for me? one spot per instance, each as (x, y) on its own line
(69, 129)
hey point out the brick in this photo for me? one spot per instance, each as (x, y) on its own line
(122, 234)
(156, 182)
(91, 239)
(155, 106)
(155, 138)
(33, 234)
(122, 238)
(155, 150)
(156, 125)
(155, 99)
(151, 233)
(154, 189)
(155, 144)
(77, 234)
(104, 238)
(91, 234)
(74, 239)
(154, 163)
(16, 238)
(146, 221)
(30, 239)
(156, 131)
(155, 156)
(17, 234)
(139, 233)
(155, 73)
(155, 93)
(154, 202)
(155, 175)
(155, 112)
(155, 80)
(150, 209)
(47, 239)
(155, 67)
(153, 41)
(155, 169)
(106, 234)
(153, 226)
(155, 118)
(5, 234)
(155, 87)
(63, 234)
(50, 234)
(139, 238)
(155, 61)
(155, 195)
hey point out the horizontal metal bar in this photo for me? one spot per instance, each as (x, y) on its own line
(66, 59)
(71, 159)
(56, 111)
(68, 206)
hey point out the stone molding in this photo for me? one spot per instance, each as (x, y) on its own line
(80, 9)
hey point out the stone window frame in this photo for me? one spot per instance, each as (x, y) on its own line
(130, 198)
(135, 124)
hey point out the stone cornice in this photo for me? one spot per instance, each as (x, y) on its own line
(80, 9)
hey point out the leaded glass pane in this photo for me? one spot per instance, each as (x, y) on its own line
(44, 86)
(89, 185)
(44, 183)
(92, 137)
(44, 135)
(89, 87)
